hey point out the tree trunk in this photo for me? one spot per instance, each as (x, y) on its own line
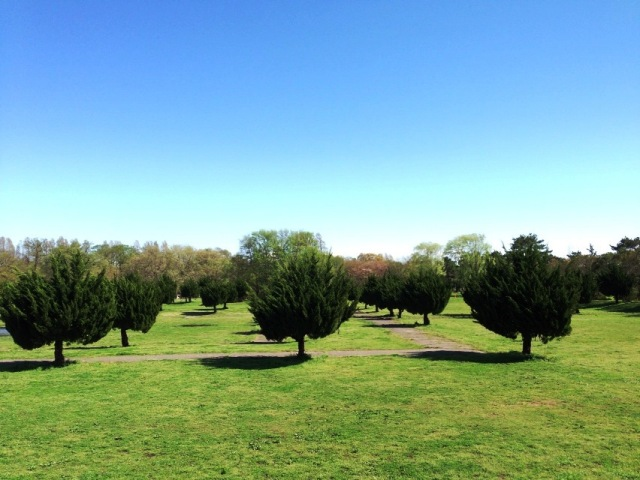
(58, 356)
(215, 309)
(391, 312)
(526, 344)
(377, 309)
(124, 337)
(425, 319)
(400, 313)
(301, 347)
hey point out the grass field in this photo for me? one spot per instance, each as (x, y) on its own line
(573, 412)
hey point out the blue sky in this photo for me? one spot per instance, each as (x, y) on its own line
(378, 124)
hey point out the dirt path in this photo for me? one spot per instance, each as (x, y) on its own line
(420, 337)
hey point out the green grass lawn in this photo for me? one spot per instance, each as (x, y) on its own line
(573, 412)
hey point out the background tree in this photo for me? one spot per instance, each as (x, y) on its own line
(214, 292)
(463, 256)
(585, 267)
(308, 295)
(614, 281)
(137, 305)
(167, 288)
(427, 254)
(70, 305)
(114, 257)
(391, 290)
(518, 293)
(371, 292)
(34, 250)
(425, 291)
(189, 289)
(262, 250)
(10, 264)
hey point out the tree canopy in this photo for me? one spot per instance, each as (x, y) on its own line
(425, 291)
(137, 305)
(518, 293)
(308, 295)
(69, 305)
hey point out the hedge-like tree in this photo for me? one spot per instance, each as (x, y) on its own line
(518, 293)
(391, 284)
(189, 289)
(614, 281)
(425, 291)
(308, 295)
(214, 292)
(371, 294)
(167, 288)
(69, 305)
(137, 306)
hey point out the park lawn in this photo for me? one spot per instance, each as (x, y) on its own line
(572, 412)
(192, 328)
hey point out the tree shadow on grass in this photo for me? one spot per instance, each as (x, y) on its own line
(254, 362)
(265, 342)
(198, 314)
(456, 315)
(476, 357)
(15, 366)
(249, 332)
(198, 325)
(91, 347)
(394, 325)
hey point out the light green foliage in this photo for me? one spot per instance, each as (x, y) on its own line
(427, 255)
(261, 251)
(308, 295)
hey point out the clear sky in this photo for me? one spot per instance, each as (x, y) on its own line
(378, 124)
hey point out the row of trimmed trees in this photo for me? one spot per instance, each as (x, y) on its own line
(422, 291)
(519, 292)
(66, 302)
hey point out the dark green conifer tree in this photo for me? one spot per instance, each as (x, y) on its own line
(189, 289)
(614, 281)
(214, 292)
(308, 296)
(391, 291)
(167, 288)
(371, 294)
(518, 293)
(69, 305)
(425, 291)
(137, 306)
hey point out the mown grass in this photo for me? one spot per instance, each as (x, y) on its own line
(192, 328)
(573, 412)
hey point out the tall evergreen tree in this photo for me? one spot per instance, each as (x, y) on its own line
(391, 292)
(70, 305)
(518, 293)
(308, 295)
(425, 291)
(137, 306)
(167, 288)
(371, 294)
